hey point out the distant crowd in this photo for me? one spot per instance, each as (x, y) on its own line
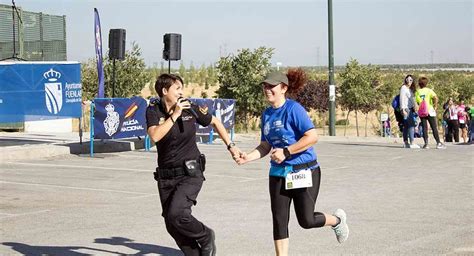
(416, 110)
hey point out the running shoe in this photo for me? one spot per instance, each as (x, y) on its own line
(341, 230)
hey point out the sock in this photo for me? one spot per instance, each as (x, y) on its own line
(338, 221)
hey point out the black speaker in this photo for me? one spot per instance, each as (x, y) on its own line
(117, 44)
(172, 50)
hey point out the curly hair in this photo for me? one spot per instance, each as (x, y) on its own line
(297, 80)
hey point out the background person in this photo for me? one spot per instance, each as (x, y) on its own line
(288, 134)
(171, 123)
(431, 99)
(462, 117)
(453, 122)
(407, 106)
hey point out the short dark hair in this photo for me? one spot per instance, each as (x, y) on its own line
(422, 82)
(166, 81)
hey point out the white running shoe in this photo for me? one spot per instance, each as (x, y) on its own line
(440, 146)
(414, 146)
(341, 230)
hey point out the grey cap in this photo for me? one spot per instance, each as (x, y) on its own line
(275, 78)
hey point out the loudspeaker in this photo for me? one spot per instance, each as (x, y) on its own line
(172, 50)
(117, 44)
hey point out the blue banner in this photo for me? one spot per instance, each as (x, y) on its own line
(222, 109)
(116, 118)
(39, 90)
(98, 53)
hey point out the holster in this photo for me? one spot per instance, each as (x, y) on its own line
(195, 167)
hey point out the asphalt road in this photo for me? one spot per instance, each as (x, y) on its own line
(398, 201)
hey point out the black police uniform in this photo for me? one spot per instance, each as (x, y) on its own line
(177, 187)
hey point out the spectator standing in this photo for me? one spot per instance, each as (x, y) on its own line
(431, 100)
(453, 122)
(407, 106)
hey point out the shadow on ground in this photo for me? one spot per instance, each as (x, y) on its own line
(140, 248)
(368, 145)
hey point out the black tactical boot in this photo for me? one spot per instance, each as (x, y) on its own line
(208, 245)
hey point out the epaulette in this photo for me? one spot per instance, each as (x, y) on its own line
(155, 101)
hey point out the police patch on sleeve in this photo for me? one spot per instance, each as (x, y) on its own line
(203, 110)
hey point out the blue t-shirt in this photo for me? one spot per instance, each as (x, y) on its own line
(284, 126)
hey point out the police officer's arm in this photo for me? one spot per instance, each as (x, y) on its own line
(260, 151)
(219, 127)
(157, 132)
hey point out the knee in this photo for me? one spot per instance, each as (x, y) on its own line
(177, 218)
(305, 223)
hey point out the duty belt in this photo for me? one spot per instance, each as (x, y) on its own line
(170, 172)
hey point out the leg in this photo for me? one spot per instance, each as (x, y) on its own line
(305, 199)
(464, 133)
(187, 245)
(456, 130)
(449, 136)
(280, 204)
(166, 188)
(424, 124)
(405, 132)
(411, 134)
(179, 214)
(434, 128)
(281, 247)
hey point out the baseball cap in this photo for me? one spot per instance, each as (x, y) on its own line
(275, 78)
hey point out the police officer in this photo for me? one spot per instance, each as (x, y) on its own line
(171, 124)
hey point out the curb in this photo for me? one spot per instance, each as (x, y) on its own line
(32, 151)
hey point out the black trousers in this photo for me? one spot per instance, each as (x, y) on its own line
(304, 198)
(453, 130)
(177, 196)
(434, 128)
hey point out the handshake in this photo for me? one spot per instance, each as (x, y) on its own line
(238, 156)
(276, 154)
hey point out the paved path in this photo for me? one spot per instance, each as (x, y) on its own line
(398, 201)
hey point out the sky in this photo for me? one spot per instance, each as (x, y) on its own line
(371, 31)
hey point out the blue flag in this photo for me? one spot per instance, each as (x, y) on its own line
(98, 53)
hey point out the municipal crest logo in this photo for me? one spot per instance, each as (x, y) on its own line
(266, 128)
(53, 91)
(111, 122)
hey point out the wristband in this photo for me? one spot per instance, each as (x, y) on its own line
(286, 152)
(232, 144)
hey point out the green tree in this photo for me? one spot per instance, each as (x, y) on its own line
(130, 76)
(192, 73)
(89, 80)
(182, 72)
(202, 75)
(239, 77)
(359, 89)
(211, 75)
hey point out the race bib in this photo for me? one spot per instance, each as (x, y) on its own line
(301, 179)
(461, 121)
